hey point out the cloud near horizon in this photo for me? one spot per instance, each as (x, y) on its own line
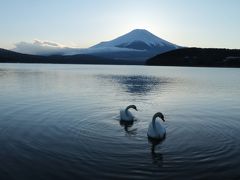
(47, 43)
(39, 47)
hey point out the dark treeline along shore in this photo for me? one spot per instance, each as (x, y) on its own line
(200, 57)
(7, 56)
(206, 57)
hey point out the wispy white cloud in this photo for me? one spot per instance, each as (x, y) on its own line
(47, 43)
(38, 47)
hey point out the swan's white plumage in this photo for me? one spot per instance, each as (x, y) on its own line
(126, 116)
(158, 132)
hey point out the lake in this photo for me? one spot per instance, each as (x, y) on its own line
(62, 122)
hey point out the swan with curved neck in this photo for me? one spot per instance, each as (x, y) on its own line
(155, 129)
(126, 115)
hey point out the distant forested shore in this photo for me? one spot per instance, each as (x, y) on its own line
(7, 56)
(206, 57)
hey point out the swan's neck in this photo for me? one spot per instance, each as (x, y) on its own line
(127, 108)
(153, 123)
(130, 106)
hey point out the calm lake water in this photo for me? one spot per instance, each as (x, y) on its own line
(62, 122)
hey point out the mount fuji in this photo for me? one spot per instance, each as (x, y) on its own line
(137, 45)
(139, 39)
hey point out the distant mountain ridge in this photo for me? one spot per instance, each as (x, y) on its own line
(7, 56)
(137, 47)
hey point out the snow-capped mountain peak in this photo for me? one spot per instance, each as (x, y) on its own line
(137, 45)
(137, 39)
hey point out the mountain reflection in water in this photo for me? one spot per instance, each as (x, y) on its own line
(138, 84)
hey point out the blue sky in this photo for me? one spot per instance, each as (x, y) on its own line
(83, 23)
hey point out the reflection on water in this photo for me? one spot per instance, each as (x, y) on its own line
(157, 155)
(137, 84)
(58, 122)
(155, 142)
(157, 159)
(127, 127)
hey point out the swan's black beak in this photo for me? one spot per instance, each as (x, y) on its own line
(163, 119)
(136, 109)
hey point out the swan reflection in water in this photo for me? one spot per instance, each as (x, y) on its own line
(127, 127)
(157, 157)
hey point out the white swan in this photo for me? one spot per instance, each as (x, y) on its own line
(155, 129)
(126, 115)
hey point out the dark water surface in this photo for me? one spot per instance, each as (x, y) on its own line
(62, 122)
